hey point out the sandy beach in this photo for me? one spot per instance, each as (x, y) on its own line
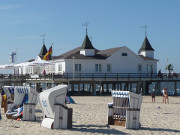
(90, 117)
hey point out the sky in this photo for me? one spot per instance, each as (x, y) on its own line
(111, 23)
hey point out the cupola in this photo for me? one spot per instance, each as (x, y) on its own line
(146, 49)
(87, 48)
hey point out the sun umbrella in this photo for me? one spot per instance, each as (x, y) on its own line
(22, 64)
(40, 62)
(7, 66)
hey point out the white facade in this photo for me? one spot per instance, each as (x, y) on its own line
(59, 66)
(122, 61)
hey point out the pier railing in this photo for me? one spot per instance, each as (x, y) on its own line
(106, 75)
(91, 76)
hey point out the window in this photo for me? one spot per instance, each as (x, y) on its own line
(139, 68)
(98, 67)
(77, 67)
(60, 67)
(21, 70)
(108, 67)
(149, 67)
(124, 54)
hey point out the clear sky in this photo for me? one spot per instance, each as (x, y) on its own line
(112, 23)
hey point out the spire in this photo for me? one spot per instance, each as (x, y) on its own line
(43, 35)
(87, 43)
(43, 50)
(145, 29)
(146, 46)
(86, 24)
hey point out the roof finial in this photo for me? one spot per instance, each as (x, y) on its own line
(145, 28)
(43, 35)
(86, 24)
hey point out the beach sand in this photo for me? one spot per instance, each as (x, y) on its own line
(90, 117)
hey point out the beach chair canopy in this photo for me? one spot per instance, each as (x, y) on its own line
(52, 96)
(25, 94)
(134, 100)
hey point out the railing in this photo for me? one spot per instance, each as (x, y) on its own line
(92, 76)
(108, 75)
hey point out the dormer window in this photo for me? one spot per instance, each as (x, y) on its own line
(124, 54)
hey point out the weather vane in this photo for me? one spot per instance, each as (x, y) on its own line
(86, 24)
(43, 35)
(145, 28)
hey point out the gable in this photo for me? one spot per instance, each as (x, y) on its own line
(124, 54)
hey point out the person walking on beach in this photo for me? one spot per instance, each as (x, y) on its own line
(163, 94)
(166, 95)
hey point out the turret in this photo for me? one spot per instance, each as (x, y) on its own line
(87, 48)
(146, 49)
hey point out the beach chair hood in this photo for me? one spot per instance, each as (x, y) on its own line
(50, 97)
(26, 94)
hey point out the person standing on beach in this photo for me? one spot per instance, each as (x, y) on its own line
(153, 96)
(163, 94)
(166, 95)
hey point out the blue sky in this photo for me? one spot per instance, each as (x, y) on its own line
(112, 23)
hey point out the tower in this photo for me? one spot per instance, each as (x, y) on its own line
(146, 49)
(44, 49)
(87, 48)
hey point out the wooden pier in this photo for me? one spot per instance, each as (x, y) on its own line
(88, 82)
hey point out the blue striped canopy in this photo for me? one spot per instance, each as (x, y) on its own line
(123, 94)
(24, 90)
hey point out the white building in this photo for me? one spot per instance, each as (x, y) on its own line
(87, 59)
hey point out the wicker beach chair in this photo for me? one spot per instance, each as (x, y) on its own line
(125, 109)
(56, 113)
(24, 96)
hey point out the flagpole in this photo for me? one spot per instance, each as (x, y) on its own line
(53, 71)
(167, 65)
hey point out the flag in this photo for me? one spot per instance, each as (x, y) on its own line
(48, 54)
(12, 57)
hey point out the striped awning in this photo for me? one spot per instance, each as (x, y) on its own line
(24, 90)
(122, 94)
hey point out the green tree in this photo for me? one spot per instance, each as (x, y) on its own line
(169, 67)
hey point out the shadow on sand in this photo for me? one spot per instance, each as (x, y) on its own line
(160, 129)
(100, 129)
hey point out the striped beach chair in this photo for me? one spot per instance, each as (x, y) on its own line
(125, 109)
(27, 97)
